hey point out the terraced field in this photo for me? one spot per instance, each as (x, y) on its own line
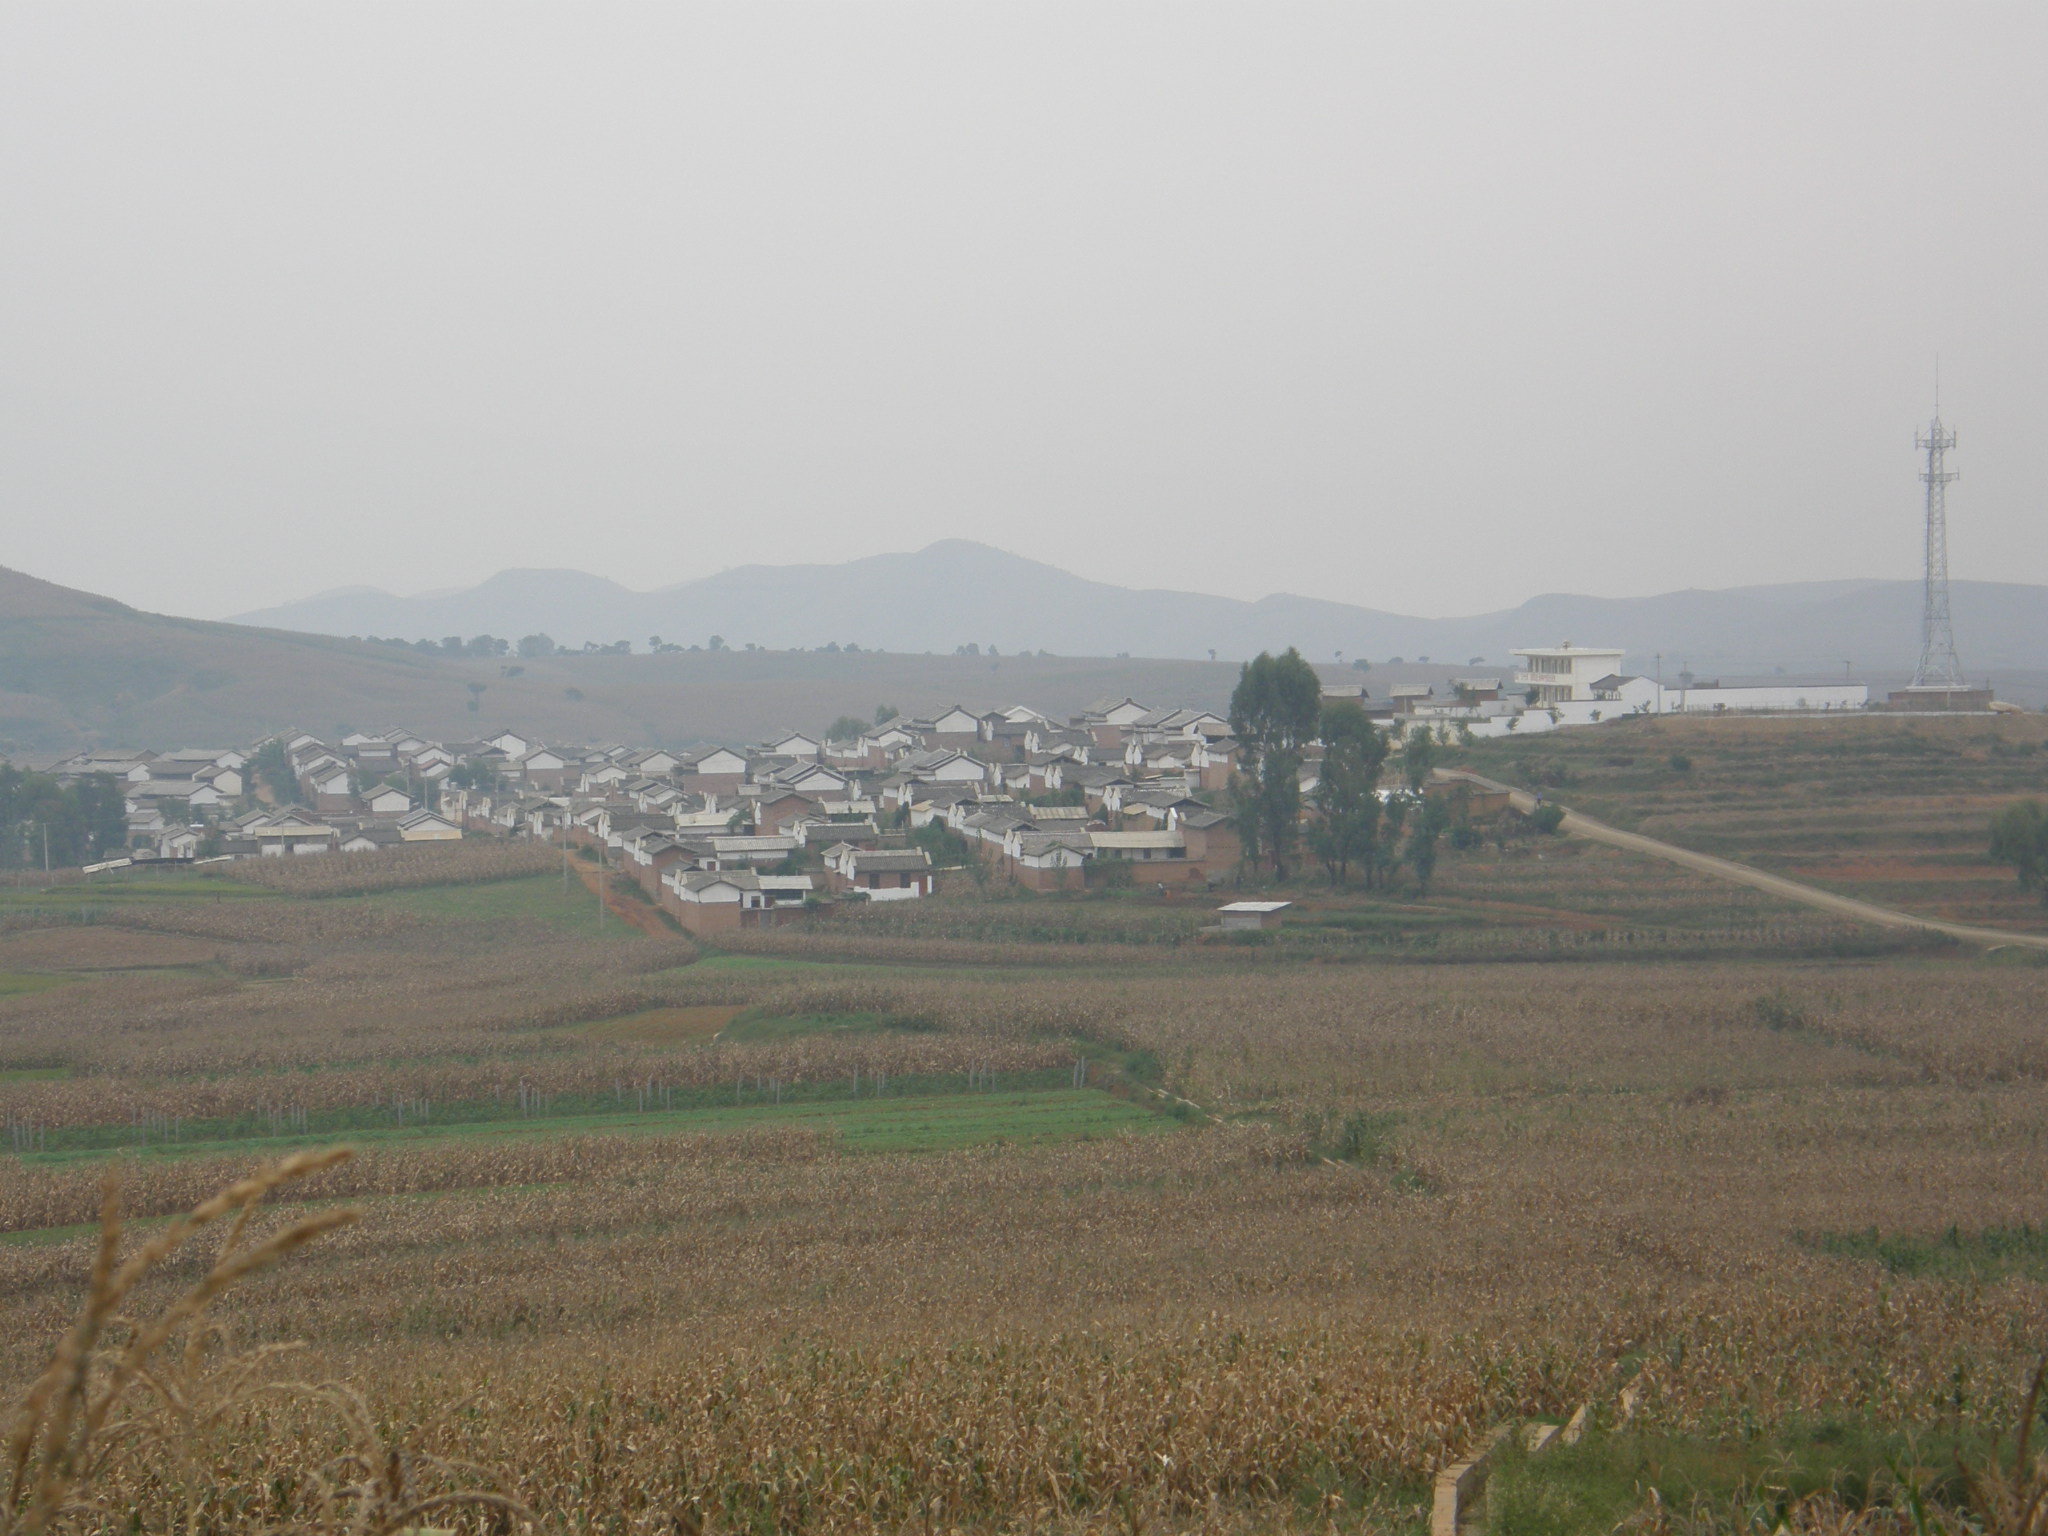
(1885, 808)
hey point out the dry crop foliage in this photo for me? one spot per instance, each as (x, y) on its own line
(359, 985)
(66, 1196)
(138, 1420)
(770, 1336)
(600, 1076)
(1578, 1167)
(470, 861)
(1238, 1038)
(1295, 1039)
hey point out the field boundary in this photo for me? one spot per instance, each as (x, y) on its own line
(1579, 824)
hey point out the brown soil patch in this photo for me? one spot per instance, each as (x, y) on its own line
(666, 1026)
(99, 947)
(634, 914)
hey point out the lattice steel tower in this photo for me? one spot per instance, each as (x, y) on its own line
(1939, 667)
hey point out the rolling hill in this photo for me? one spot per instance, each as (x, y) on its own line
(77, 669)
(958, 591)
(80, 670)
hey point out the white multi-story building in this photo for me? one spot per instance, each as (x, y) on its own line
(1564, 674)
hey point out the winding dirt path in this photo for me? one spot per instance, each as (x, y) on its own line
(1579, 824)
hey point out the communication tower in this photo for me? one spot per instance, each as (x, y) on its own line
(1938, 667)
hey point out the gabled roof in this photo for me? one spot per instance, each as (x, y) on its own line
(883, 860)
(1158, 797)
(705, 879)
(1041, 842)
(1138, 839)
(691, 758)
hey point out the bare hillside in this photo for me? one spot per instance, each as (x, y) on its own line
(76, 670)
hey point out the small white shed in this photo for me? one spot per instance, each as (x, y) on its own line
(1241, 915)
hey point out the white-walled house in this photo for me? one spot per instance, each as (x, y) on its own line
(791, 744)
(383, 800)
(427, 827)
(1116, 712)
(292, 832)
(944, 767)
(957, 721)
(1564, 674)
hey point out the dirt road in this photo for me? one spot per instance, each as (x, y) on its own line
(1579, 824)
(634, 914)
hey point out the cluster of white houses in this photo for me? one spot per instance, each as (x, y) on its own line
(725, 836)
(204, 800)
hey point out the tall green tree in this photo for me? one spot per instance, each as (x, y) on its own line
(1429, 821)
(2019, 838)
(1274, 712)
(75, 822)
(1347, 792)
(273, 770)
(1394, 815)
(1418, 756)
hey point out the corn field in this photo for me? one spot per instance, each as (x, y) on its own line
(1402, 1205)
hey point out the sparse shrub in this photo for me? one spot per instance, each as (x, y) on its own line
(1777, 1013)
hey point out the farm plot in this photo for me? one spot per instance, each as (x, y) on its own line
(789, 1246)
(1887, 809)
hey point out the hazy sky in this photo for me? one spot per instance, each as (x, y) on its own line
(1428, 307)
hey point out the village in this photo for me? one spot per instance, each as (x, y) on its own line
(720, 837)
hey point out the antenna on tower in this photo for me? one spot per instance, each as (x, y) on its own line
(1938, 667)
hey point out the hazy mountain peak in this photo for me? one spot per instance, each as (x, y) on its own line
(958, 591)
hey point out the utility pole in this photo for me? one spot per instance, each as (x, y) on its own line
(1938, 667)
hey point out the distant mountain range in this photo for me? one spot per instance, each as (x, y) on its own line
(956, 591)
(79, 670)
